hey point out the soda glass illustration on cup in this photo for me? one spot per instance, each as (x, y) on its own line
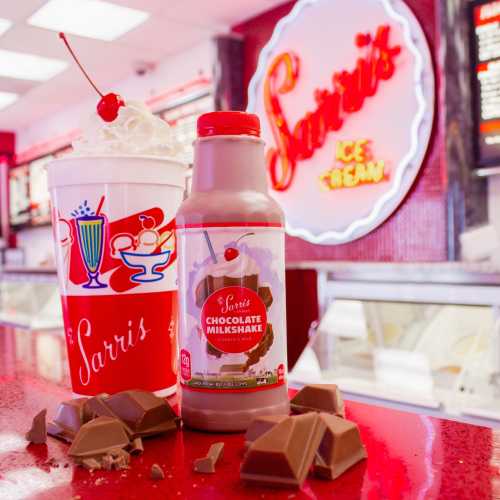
(90, 238)
(114, 200)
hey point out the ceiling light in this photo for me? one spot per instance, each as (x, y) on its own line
(29, 66)
(7, 98)
(91, 18)
(5, 24)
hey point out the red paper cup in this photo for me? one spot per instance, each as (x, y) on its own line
(113, 220)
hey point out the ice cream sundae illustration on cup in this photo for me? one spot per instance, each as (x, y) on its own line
(90, 229)
(138, 252)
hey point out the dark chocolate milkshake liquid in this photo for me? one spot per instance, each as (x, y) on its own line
(231, 281)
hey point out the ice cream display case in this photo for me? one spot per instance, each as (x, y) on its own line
(30, 298)
(420, 336)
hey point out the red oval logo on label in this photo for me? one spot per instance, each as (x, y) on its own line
(234, 319)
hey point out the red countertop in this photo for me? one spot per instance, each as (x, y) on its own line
(410, 456)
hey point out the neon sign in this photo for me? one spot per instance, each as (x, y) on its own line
(346, 114)
(350, 89)
(357, 167)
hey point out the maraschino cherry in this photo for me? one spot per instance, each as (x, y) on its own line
(108, 106)
(232, 253)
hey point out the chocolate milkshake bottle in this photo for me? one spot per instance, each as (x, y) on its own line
(232, 281)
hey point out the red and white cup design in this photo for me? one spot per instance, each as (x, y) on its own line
(113, 220)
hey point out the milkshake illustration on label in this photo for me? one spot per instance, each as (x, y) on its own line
(233, 280)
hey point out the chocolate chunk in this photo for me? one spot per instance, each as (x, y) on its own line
(340, 448)
(320, 398)
(122, 461)
(157, 472)
(262, 348)
(284, 455)
(59, 432)
(99, 436)
(38, 432)
(97, 407)
(70, 416)
(143, 412)
(116, 459)
(206, 464)
(266, 296)
(107, 462)
(136, 447)
(261, 425)
(90, 463)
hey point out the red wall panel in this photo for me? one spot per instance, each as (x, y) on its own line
(417, 231)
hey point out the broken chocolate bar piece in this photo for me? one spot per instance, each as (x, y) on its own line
(116, 459)
(284, 455)
(143, 412)
(91, 463)
(98, 437)
(206, 465)
(261, 425)
(38, 432)
(266, 296)
(97, 407)
(136, 447)
(157, 472)
(320, 398)
(340, 448)
(70, 416)
(107, 462)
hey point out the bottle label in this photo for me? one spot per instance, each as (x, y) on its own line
(232, 294)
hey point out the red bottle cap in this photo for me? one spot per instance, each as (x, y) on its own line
(228, 123)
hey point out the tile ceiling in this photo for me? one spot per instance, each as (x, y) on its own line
(174, 25)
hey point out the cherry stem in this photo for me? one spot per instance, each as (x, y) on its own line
(244, 236)
(62, 36)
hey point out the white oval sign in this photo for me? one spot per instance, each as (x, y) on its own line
(345, 93)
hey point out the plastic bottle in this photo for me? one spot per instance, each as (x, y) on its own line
(232, 281)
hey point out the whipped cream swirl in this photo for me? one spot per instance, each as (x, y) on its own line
(135, 131)
(243, 265)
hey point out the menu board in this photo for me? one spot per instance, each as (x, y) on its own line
(486, 80)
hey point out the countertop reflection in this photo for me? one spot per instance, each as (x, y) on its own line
(409, 456)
